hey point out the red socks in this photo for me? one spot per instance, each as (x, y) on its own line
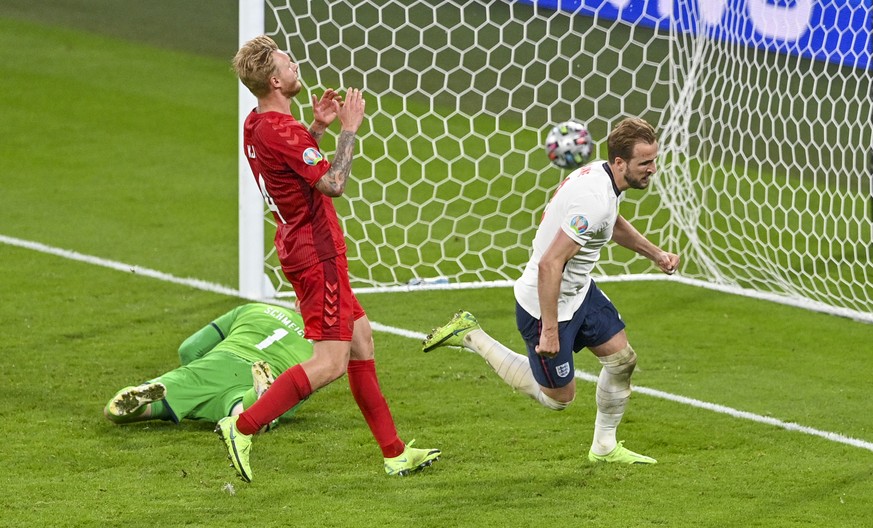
(368, 395)
(292, 386)
(288, 390)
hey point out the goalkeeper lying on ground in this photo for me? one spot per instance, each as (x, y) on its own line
(226, 366)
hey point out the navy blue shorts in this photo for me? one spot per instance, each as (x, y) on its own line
(594, 323)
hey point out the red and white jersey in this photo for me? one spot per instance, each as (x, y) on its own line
(585, 208)
(287, 163)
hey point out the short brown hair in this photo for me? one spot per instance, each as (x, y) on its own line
(626, 134)
(254, 64)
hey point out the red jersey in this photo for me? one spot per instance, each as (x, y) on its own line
(286, 163)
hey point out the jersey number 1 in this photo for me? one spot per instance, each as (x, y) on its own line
(277, 334)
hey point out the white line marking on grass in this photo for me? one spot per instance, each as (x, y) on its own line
(119, 266)
(224, 290)
(714, 407)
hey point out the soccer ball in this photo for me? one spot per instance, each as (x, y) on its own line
(569, 145)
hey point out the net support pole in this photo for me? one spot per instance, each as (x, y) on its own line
(251, 204)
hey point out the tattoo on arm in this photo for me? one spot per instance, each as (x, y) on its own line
(333, 183)
(316, 134)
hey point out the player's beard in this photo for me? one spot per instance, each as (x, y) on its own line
(291, 91)
(641, 182)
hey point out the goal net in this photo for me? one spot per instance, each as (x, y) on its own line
(763, 109)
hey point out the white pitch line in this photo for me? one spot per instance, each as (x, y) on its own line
(119, 266)
(224, 290)
(714, 407)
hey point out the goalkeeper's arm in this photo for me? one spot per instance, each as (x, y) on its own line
(205, 339)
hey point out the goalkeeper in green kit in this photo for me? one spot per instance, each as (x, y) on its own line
(226, 366)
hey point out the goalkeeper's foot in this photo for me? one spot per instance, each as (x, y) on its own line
(238, 446)
(621, 455)
(452, 333)
(262, 379)
(411, 460)
(129, 401)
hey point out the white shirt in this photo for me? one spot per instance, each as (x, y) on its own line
(585, 207)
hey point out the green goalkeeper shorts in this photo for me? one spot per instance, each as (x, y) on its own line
(208, 387)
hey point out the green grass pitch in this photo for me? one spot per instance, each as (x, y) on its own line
(122, 145)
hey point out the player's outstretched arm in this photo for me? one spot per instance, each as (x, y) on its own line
(205, 339)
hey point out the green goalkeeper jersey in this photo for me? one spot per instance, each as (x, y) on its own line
(253, 332)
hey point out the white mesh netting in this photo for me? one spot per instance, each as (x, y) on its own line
(764, 180)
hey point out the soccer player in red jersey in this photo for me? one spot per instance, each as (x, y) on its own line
(298, 184)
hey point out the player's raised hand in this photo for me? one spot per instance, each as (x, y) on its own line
(325, 110)
(351, 112)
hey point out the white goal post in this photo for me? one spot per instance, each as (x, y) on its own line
(763, 108)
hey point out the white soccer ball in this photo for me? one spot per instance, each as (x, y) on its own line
(569, 145)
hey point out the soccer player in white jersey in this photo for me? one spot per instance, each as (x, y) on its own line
(559, 309)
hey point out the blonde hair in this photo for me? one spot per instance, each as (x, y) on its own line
(254, 64)
(626, 134)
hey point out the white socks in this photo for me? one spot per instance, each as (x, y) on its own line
(613, 392)
(613, 384)
(513, 368)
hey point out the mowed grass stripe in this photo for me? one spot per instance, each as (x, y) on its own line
(411, 334)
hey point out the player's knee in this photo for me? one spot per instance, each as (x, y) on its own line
(363, 349)
(622, 362)
(336, 370)
(329, 362)
(558, 398)
(551, 403)
(362, 345)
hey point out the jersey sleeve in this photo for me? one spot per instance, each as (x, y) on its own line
(202, 341)
(584, 218)
(299, 151)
